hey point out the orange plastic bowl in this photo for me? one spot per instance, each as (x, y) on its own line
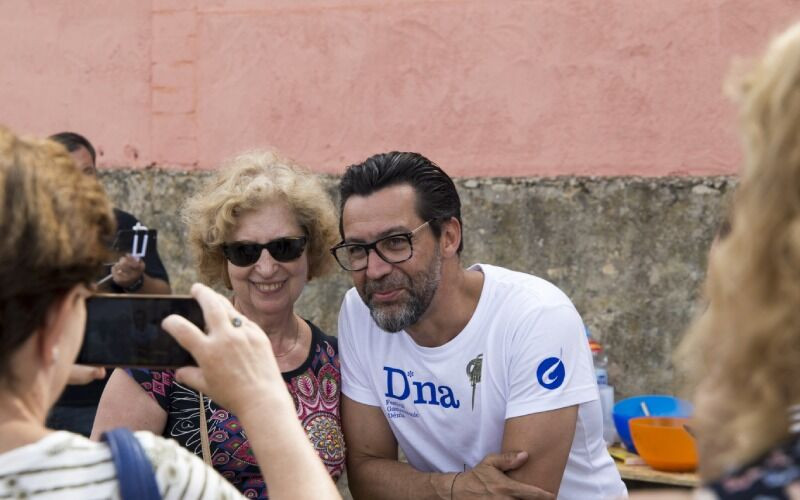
(664, 443)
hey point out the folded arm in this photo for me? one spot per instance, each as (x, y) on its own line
(547, 437)
(375, 472)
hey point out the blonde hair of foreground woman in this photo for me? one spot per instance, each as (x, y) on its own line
(743, 353)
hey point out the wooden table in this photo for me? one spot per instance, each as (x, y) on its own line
(633, 468)
(646, 474)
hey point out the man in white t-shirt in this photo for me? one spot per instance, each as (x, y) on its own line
(483, 376)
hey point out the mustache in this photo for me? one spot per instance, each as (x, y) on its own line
(386, 283)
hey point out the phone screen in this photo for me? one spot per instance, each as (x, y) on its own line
(125, 330)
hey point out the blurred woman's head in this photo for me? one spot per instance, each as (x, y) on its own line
(56, 224)
(259, 197)
(743, 352)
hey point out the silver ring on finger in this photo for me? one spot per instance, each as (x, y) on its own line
(236, 321)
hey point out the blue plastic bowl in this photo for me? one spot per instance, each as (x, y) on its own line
(658, 406)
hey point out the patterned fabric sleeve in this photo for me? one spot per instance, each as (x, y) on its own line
(774, 476)
(157, 384)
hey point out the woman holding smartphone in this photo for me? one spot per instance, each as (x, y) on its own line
(261, 228)
(56, 223)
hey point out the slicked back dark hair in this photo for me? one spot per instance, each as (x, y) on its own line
(73, 141)
(436, 195)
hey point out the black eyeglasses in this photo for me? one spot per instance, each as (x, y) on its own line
(243, 254)
(394, 249)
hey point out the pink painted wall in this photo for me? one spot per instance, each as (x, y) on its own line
(484, 87)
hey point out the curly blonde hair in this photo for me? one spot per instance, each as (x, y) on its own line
(244, 184)
(743, 352)
(57, 223)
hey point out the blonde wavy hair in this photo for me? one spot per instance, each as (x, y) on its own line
(743, 352)
(56, 226)
(244, 184)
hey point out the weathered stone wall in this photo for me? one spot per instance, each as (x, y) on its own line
(630, 252)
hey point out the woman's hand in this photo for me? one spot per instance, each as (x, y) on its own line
(236, 366)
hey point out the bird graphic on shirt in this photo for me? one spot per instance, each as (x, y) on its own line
(474, 368)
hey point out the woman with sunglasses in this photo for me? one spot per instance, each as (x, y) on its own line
(262, 228)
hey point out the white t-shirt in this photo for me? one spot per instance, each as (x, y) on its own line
(526, 352)
(66, 465)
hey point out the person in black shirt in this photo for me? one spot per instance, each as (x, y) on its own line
(76, 408)
(128, 274)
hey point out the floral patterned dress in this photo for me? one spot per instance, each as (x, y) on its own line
(315, 388)
(774, 476)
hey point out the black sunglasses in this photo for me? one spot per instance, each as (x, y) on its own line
(243, 254)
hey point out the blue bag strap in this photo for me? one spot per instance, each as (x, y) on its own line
(134, 471)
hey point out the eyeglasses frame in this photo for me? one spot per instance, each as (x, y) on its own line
(374, 246)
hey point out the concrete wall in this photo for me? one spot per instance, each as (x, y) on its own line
(486, 88)
(629, 251)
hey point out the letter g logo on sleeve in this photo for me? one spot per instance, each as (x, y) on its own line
(551, 373)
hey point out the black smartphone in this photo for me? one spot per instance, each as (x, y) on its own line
(135, 242)
(125, 330)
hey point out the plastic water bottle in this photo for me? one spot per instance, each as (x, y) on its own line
(600, 362)
(606, 391)
(599, 359)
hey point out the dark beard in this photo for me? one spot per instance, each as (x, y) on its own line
(421, 288)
